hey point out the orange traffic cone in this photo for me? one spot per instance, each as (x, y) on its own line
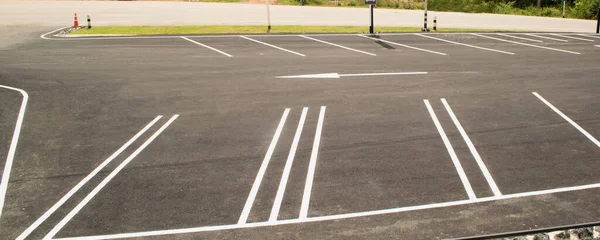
(75, 21)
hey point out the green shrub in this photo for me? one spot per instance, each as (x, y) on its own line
(504, 8)
(531, 11)
(586, 9)
(473, 6)
(306, 2)
(551, 12)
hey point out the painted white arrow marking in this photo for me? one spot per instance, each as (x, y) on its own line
(336, 75)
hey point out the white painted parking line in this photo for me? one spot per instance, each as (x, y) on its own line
(12, 149)
(337, 45)
(335, 217)
(596, 45)
(473, 150)
(336, 75)
(544, 37)
(457, 165)
(381, 74)
(85, 180)
(262, 170)
(104, 182)
(287, 169)
(311, 166)
(583, 131)
(402, 45)
(463, 44)
(522, 38)
(273, 46)
(576, 38)
(209, 47)
(525, 44)
(586, 35)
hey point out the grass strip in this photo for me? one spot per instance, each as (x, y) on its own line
(181, 30)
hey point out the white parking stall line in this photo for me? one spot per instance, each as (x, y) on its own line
(525, 44)
(209, 47)
(287, 169)
(337, 45)
(311, 166)
(473, 150)
(337, 75)
(381, 74)
(457, 165)
(576, 38)
(596, 45)
(108, 178)
(12, 149)
(463, 44)
(85, 180)
(402, 45)
(273, 46)
(583, 131)
(544, 37)
(590, 36)
(522, 38)
(262, 170)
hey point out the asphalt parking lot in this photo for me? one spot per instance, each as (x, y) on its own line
(409, 136)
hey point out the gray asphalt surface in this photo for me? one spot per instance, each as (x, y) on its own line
(142, 13)
(379, 147)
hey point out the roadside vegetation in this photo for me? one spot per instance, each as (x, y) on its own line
(582, 9)
(180, 30)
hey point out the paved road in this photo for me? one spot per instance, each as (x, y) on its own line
(380, 146)
(60, 13)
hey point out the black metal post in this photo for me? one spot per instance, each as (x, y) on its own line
(598, 21)
(425, 29)
(371, 28)
(425, 22)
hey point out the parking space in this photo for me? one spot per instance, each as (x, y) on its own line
(528, 147)
(372, 160)
(212, 133)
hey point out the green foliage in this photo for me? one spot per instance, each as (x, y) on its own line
(306, 2)
(399, 4)
(551, 12)
(584, 9)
